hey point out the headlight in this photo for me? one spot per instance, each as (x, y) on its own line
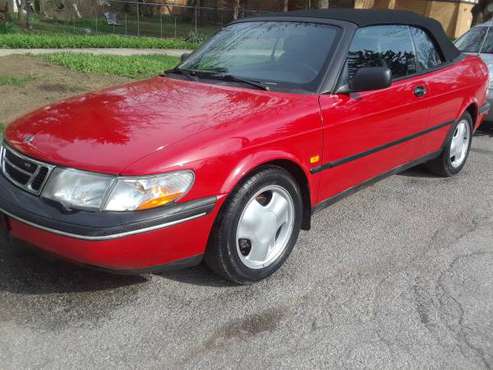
(77, 189)
(83, 190)
(130, 194)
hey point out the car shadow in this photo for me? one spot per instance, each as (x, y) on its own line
(486, 129)
(418, 171)
(24, 270)
(199, 275)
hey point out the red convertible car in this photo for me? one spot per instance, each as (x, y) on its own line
(226, 157)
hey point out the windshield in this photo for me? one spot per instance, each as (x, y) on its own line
(471, 41)
(488, 43)
(282, 55)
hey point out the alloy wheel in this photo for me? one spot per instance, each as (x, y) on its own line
(459, 145)
(265, 227)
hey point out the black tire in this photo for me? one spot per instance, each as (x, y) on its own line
(442, 166)
(222, 255)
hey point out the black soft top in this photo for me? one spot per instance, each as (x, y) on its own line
(368, 17)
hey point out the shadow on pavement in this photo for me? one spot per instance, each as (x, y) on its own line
(486, 129)
(24, 270)
(419, 171)
(199, 275)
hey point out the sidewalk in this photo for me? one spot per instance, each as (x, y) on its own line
(170, 52)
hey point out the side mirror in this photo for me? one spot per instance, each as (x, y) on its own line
(184, 56)
(371, 78)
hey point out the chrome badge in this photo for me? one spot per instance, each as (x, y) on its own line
(28, 139)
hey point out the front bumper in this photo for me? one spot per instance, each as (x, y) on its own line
(174, 235)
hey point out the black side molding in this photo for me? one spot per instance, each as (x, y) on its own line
(328, 202)
(377, 149)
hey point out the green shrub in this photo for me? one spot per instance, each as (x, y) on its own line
(8, 27)
(141, 66)
(51, 41)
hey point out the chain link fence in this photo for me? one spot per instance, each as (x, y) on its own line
(194, 20)
(137, 18)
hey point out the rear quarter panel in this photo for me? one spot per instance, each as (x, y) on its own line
(456, 87)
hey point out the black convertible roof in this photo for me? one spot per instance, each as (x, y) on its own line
(369, 17)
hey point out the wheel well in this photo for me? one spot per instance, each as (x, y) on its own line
(300, 178)
(302, 181)
(473, 111)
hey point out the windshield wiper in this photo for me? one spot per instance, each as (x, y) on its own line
(184, 72)
(195, 74)
(232, 78)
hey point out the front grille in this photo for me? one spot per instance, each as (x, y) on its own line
(28, 174)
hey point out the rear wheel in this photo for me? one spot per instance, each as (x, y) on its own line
(456, 151)
(257, 228)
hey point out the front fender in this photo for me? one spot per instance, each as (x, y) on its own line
(257, 159)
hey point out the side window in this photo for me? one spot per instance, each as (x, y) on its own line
(382, 46)
(428, 56)
(471, 41)
(488, 43)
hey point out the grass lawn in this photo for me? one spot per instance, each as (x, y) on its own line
(57, 41)
(14, 81)
(137, 67)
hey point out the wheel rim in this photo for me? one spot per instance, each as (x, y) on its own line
(460, 144)
(265, 227)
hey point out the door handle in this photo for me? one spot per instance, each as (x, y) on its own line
(420, 91)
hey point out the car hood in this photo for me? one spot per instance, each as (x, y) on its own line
(109, 130)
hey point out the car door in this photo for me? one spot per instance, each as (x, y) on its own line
(442, 83)
(370, 133)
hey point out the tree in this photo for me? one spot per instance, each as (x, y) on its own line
(286, 5)
(24, 11)
(236, 9)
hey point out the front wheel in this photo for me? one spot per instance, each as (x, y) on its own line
(257, 228)
(456, 151)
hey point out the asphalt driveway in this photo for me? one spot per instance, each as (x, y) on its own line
(399, 275)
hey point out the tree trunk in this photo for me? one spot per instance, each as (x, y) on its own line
(29, 13)
(286, 5)
(19, 4)
(11, 8)
(323, 4)
(236, 9)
